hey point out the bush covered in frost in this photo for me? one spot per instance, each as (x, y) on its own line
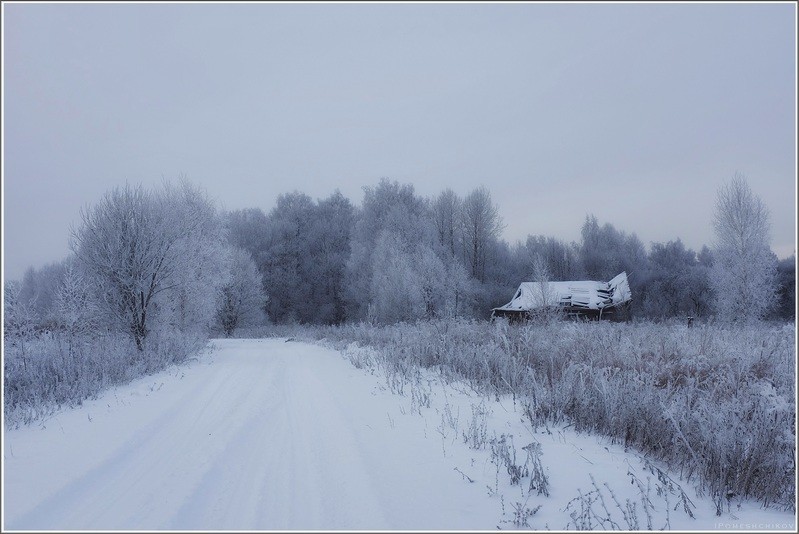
(715, 402)
(50, 370)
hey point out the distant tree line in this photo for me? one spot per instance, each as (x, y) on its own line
(166, 260)
(400, 256)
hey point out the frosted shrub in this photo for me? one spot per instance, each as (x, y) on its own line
(600, 509)
(61, 369)
(539, 481)
(360, 358)
(715, 402)
(476, 435)
(522, 514)
(503, 454)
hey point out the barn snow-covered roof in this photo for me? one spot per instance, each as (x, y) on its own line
(585, 294)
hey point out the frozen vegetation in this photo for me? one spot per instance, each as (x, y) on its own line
(715, 403)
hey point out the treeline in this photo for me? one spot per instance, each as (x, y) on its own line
(396, 257)
(400, 256)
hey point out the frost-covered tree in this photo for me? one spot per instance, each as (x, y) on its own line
(326, 263)
(705, 257)
(395, 286)
(75, 309)
(744, 267)
(596, 248)
(286, 258)
(482, 226)
(561, 260)
(301, 249)
(446, 210)
(155, 258)
(410, 281)
(388, 206)
(243, 297)
(459, 290)
(544, 294)
(699, 291)
(677, 283)
(39, 287)
(786, 276)
(19, 317)
(204, 265)
(606, 251)
(433, 283)
(248, 229)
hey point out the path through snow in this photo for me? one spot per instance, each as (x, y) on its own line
(275, 435)
(263, 434)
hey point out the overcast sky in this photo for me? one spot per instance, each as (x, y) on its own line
(635, 113)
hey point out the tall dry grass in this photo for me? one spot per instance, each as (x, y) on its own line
(715, 402)
(52, 369)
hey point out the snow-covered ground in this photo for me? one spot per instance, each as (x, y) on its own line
(274, 435)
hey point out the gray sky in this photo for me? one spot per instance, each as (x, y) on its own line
(635, 113)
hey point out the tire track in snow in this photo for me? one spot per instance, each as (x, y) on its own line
(159, 462)
(268, 436)
(224, 494)
(336, 490)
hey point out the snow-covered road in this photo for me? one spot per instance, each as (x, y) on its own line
(276, 435)
(262, 434)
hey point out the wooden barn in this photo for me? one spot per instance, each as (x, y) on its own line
(585, 298)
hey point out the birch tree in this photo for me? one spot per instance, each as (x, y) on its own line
(482, 226)
(446, 210)
(744, 268)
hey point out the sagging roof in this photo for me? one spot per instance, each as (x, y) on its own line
(576, 295)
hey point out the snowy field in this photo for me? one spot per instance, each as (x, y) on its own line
(273, 435)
